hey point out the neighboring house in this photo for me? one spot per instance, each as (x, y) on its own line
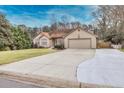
(77, 39)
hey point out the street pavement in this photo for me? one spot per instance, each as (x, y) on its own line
(7, 83)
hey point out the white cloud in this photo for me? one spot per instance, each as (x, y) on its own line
(27, 20)
(75, 13)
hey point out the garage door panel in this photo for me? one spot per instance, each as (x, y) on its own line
(80, 43)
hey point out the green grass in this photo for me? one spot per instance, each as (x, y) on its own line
(17, 55)
(122, 49)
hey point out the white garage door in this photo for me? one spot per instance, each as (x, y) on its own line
(79, 43)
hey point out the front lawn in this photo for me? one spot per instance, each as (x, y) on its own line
(17, 55)
(122, 49)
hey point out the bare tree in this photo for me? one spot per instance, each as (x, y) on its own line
(46, 28)
(110, 21)
(65, 20)
(54, 22)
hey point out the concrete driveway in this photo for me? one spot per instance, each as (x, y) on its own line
(106, 68)
(62, 65)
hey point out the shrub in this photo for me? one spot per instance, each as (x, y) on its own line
(5, 49)
(59, 46)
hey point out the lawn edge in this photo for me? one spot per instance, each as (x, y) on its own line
(53, 51)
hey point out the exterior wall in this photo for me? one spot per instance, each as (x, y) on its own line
(59, 41)
(51, 44)
(35, 41)
(38, 41)
(80, 34)
(41, 40)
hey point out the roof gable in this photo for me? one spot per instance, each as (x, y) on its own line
(79, 29)
(43, 34)
(60, 34)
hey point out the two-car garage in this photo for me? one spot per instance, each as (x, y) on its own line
(80, 39)
(80, 43)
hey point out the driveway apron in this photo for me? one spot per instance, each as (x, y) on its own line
(106, 68)
(62, 65)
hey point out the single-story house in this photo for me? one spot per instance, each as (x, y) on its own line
(77, 39)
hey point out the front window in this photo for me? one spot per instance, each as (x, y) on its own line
(44, 41)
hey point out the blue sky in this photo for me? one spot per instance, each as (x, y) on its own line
(39, 15)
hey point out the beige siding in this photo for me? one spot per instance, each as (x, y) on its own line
(80, 35)
(36, 39)
(41, 40)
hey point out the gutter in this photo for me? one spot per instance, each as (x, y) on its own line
(48, 82)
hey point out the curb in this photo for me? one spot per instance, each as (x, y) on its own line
(47, 82)
(40, 80)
